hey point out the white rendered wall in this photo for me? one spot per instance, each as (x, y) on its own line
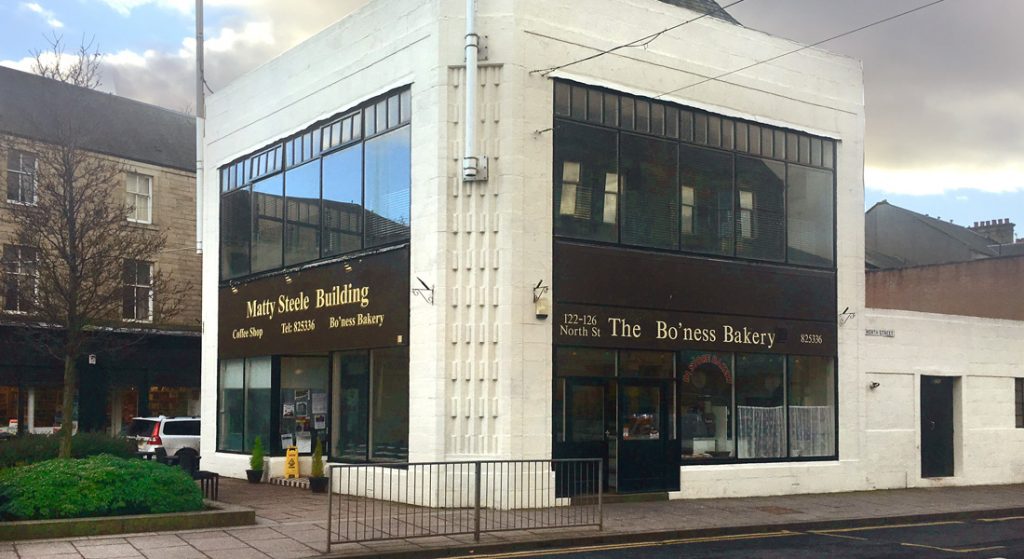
(386, 44)
(983, 354)
(812, 91)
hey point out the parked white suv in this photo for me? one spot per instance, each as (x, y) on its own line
(176, 435)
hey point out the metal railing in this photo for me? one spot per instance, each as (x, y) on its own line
(371, 502)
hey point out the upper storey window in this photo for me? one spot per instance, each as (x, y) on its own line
(21, 177)
(340, 186)
(639, 172)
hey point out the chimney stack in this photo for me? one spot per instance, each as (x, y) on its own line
(999, 231)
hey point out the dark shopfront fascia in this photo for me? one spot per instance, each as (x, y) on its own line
(694, 287)
(319, 353)
(651, 390)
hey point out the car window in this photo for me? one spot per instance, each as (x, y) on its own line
(186, 427)
(140, 428)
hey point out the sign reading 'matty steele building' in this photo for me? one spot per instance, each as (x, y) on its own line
(355, 304)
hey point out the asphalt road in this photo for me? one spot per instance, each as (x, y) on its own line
(990, 538)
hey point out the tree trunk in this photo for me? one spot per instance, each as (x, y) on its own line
(68, 406)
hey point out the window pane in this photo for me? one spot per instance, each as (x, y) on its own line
(709, 176)
(268, 227)
(389, 419)
(257, 401)
(727, 134)
(343, 201)
(387, 188)
(582, 362)
(579, 102)
(792, 148)
(760, 415)
(760, 222)
(805, 150)
(714, 131)
(230, 406)
(705, 406)
(812, 414)
(595, 110)
(827, 153)
(349, 436)
(626, 108)
(235, 233)
(304, 401)
(405, 102)
(700, 128)
(302, 235)
(780, 144)
(643, 116)
(816, 152)
(392, 111)
(650, 194)
(810, 228)
(672, 122)
(658, 119)
(370, 121)
(755, 140)
(646, 364)
(611, 109)
(741, 136)
(586, 413)
(586, 189)
(686, 126)
(382, 115)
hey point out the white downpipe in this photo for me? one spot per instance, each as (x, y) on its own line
(200, 127)
(470, 162)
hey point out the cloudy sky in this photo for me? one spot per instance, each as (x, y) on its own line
(944, 86)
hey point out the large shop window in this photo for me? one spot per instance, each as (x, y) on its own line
(307, 197)
(243, 408)
(645, 173)
(304, 392)
(371, 410)
(730, 407)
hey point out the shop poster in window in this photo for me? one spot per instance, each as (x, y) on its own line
(319, 403)
(301, 395)
(302, 409)
(287, 440)
(288, 410)
(319, 421)
(305, 441)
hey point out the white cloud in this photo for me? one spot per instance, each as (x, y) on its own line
(48, 15)
(942, 179)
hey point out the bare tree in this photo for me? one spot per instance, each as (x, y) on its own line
(79, 242)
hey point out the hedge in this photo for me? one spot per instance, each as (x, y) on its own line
(101, 485)
(29, 449)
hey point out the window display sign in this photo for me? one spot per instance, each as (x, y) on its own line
(612, 327)
(356, 303)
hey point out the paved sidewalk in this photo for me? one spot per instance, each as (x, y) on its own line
(291, 524)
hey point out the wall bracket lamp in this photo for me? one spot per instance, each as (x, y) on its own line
(845, 316)
(539, 290)
(426, 292)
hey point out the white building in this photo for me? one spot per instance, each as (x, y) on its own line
(698, 245)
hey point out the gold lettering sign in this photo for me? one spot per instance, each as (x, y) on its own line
(268, 316)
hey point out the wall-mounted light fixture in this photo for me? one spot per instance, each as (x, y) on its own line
(541, 305)
(845, 316)
(427, 292)
(874, 385)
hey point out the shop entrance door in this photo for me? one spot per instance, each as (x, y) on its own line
(589, 422)
(646, 460)
(936, 426)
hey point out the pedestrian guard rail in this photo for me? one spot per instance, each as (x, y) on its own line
(373, 502)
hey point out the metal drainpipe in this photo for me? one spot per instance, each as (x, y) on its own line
(470, 162)
(200, 127)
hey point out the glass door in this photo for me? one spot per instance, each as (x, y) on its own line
(645, 451)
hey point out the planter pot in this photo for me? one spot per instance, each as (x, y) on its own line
(318, 484)
(255, 476)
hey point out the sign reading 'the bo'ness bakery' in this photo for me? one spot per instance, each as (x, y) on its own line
(361, 303)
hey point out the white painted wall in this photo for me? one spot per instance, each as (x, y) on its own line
(480, 361)
(984, 354)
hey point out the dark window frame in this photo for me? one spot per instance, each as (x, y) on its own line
(679, 368)
(687, 133)
(24, 262)
(305, 147)
(22, 175)
(132, 287)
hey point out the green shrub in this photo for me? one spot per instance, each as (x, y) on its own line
(318, 461)
(96, 486)
(256, 460)
(30, 449)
